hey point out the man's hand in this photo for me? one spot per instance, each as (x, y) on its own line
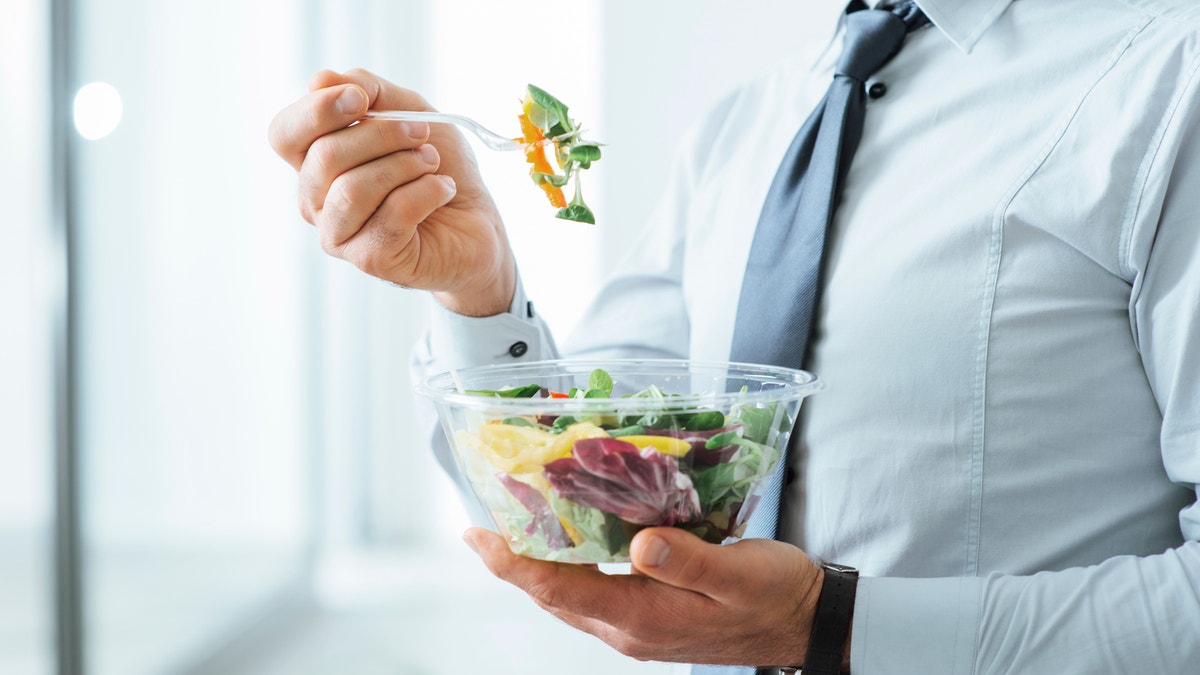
(400, 200)
(750, 603)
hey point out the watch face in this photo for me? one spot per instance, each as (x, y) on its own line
(840, 569)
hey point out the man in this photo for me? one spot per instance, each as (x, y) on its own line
(1009, 446)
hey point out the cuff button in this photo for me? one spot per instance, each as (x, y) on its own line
(518, 349)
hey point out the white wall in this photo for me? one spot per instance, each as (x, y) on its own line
(662, 64)
(27, 273)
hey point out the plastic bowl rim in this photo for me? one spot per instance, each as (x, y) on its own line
(798, 384)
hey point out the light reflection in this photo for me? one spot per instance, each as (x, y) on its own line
(97, 110)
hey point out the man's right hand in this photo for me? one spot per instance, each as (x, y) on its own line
(400, 200)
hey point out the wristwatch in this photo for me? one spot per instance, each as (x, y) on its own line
(831, 624)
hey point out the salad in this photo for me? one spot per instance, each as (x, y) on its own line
(577, 487)
(546, 125)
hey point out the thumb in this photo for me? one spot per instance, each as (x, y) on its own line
(381, 93)
(680, 558)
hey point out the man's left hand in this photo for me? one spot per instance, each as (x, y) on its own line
(749, 603)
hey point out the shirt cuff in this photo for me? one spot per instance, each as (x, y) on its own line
(928, 626)
(459, 341)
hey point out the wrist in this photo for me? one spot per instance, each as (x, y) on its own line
(489, 296)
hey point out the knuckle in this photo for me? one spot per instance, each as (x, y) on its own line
(544, 588)
(276, 136)
(322, 155)
(311, 198)
(546, 595)
(377, 252)
(403, 209)
(285, 134)
(329, 242)
(343, 193)
(321, 79)
(307, 212)
(629, 646)
(372, 265)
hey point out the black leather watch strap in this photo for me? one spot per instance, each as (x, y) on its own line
(831, 625)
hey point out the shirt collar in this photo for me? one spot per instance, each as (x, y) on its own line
(964, 21)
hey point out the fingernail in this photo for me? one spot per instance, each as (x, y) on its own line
(656, 552)
(448, 181)
(470, 541)
(350, 101)
(428, 154)
(415, 130)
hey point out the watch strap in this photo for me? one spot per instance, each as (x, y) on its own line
(831, 624)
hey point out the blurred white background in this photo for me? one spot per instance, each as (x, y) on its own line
(209, 457)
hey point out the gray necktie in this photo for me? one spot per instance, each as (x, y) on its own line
(781, 287)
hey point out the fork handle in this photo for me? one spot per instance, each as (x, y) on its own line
(490, 138)
(416, 116)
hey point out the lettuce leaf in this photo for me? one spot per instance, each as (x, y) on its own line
(593, 526)
(723, 484)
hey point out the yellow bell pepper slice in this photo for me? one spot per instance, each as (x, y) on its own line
(521, 450)
(665, 445)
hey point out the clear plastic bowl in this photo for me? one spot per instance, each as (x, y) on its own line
(674, 443)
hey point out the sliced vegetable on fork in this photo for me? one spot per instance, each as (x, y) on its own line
(546, 125)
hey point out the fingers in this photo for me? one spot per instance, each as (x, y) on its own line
(349, 171)
(355, 194)
(296, 127)
(335, 102)
(338, 199)
(681, 559)
(558, 587)
(323, 79)
(335, 154)
(540, 578)
(382, 246)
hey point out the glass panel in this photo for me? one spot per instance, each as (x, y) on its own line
(26, 366)
(194, 360)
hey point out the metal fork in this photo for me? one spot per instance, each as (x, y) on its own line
(490, 138)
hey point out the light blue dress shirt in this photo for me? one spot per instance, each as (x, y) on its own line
(1009, 445)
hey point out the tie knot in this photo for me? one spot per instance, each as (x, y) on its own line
(873, 36)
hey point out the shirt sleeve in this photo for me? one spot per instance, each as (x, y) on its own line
(454, 341)
(1127, 614)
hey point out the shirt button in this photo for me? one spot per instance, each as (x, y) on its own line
(876, 90)
(518, 349)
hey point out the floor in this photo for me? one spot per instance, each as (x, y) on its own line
(149, 610)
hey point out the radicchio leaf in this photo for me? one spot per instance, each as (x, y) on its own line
(543, 517)
(640, 487)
